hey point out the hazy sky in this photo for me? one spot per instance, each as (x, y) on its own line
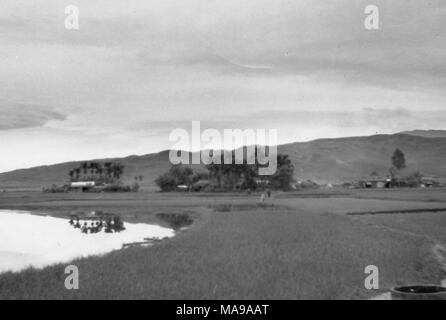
(135, 70)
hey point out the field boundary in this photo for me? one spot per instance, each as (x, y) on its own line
(404, 211)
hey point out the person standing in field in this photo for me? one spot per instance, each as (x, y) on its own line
(268, 193)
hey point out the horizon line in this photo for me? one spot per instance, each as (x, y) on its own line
(243, 146)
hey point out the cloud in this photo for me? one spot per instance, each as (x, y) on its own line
(137, 69)
(268, 37)
(383, 120)
(19, 116)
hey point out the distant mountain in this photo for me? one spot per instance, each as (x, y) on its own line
(149, 166)
(336, 160)
(427, 133)
(324, 160)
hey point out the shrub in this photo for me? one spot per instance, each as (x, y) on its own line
(116, 188)
(56, 189)
(176, 220)
(177, 175)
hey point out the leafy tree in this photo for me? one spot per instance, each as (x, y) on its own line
(200, 176)
(283, 177)
(414, 180)
(117, 170)
(399, 160)
(245, 175)
(177, 175)
(229, 177)
(166, 182)
(398, 163)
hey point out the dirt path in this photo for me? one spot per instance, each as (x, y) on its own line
(440, 254)
(438, 249)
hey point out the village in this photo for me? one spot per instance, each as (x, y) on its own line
(236, 176)
(206, 151)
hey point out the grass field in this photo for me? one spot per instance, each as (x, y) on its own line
(300, 245)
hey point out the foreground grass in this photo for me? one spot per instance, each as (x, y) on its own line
(295, 249)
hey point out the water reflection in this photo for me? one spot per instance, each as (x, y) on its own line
(39, 241)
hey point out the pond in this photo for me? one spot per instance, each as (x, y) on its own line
(39, 241)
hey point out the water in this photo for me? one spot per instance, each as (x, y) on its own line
(39, 241)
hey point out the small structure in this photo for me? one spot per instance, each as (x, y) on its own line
(375, 183)
(84, 186)
(183, 187)
(427, 182)
(201, 185)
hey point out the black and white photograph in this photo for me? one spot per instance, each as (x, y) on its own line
(245, 151)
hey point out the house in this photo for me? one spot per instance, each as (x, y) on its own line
(202, 185)
(428, 182)
(375, 183)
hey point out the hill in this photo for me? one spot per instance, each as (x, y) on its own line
(149, 166)
(337, 160)
(427, 133)
(324, 160)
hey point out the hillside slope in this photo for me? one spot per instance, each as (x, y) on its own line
(149, 166)
(325, 160)
(427, 133)
(337, 160)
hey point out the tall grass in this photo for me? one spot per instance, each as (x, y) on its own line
(311, 251)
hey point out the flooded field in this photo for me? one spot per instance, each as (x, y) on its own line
(300, 245)
(38, 241)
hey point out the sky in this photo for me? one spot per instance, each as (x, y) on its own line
(137, 69)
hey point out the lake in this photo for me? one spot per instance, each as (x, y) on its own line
(39, 241)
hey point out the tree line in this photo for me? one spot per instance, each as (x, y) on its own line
(107, 172)
(228, 177)
(396, 173)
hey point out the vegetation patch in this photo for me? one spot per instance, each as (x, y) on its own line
(223, 177)
(289, 195)
(96, 177)
(299, 249)
(246, 207)
(176, 220)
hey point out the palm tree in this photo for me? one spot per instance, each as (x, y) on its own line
(84, 167)
(93, 170)
(77, 173)
(71, 174)
(100, 171)
(108, 171)
(117, 170)
(96, 169)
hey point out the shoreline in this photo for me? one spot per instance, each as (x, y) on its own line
(51, 240)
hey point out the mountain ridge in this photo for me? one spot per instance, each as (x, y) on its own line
(328, 160)
(426, 133)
